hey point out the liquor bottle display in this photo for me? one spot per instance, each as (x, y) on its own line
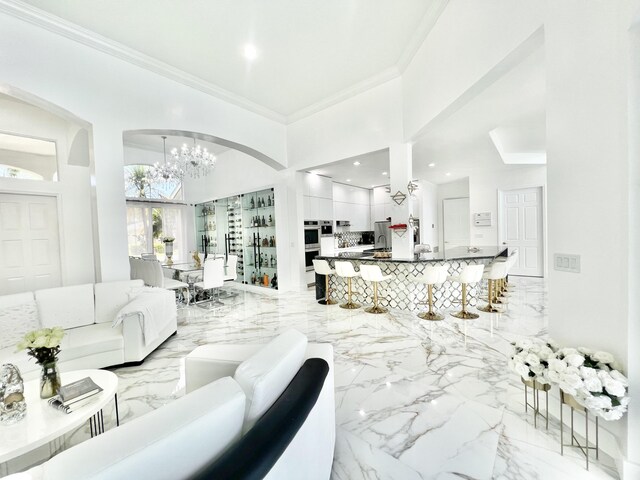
(260, 238)
(243, 225)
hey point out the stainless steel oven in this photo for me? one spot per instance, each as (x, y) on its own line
(309, 255)
(311, 235)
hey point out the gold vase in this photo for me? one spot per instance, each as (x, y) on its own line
(49, 380)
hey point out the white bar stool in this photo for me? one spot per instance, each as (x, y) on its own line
(373, 274)
(322, 267)
(470, 274)
(433, 275)
(346, 270)
(497, 272)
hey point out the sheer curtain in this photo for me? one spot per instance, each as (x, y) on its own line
(148, 224)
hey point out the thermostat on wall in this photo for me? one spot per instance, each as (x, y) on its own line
(482, 219)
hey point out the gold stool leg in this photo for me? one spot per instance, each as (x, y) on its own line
(375, 309)
(349, 305)
(490, 308)
(463, 314)
(430, 315)
(327, 294)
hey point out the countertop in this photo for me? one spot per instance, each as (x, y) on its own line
(456, 253)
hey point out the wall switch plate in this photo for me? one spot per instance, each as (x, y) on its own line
(566, 263)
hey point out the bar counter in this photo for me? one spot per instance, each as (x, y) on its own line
(400, 292)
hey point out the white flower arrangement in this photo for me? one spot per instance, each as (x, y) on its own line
(43, 344)
(530, 359)
(593, 378)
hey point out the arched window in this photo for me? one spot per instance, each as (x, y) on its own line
(138, 183)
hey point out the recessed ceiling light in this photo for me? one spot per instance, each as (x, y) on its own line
(448, 174)
(250, 52)
(356, 163)
(385, 173)
(431, 165)
(348, 179)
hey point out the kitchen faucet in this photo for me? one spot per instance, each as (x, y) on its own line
(385, 240)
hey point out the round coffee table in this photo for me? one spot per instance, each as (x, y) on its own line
(43, 423)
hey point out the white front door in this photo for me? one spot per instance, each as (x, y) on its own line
(456, 219)
(29, 243)
(521, 227)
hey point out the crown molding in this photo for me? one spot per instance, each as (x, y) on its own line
(52, 23)
(358, 88)
(421, 33)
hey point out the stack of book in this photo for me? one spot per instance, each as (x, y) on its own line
(75, 395)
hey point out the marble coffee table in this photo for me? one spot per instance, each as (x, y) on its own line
(44, 424)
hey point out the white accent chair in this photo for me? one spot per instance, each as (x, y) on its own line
(321, 267)
(373, 274)
(212, 279)
(346, 270)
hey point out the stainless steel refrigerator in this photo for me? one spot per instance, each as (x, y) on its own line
(382, 234)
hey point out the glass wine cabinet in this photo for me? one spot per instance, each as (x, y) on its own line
(245, 226)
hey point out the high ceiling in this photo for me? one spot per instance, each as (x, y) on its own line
(307, 50)
(154, 143)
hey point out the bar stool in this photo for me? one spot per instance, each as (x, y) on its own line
(373, 274)
(497, 272)
(345, 270)
(433, 275)
(322, 267)
(470, 274)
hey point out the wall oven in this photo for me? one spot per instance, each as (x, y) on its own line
(309, 255)
(311, 235)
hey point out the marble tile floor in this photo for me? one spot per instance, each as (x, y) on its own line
(409, 404)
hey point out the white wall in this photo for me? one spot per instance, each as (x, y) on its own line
(467, 41)
(73, 190)
(352, 203)
(456, 189)
(365, 123)
(483, 196)
(428, 213)
(115, 96)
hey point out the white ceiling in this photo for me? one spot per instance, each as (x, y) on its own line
(308, 50)
(513, 107)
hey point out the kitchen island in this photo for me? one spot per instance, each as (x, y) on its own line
(400, 292)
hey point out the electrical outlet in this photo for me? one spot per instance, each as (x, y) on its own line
(566, 263)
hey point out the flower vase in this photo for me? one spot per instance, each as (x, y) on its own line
(168, 251)
(50, 380)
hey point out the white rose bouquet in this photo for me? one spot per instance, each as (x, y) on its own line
(43, 344)
(593, 378)
(530, 359)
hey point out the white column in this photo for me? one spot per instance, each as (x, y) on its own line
(400, 171)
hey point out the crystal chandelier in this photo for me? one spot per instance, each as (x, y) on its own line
(196, 161)
(167, 171)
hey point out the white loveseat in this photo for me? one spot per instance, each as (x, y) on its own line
(231, 428)
(87, 313)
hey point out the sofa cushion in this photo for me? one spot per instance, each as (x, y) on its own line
(66, 307)
(112, 296)
(174, 441)
(18, 315)
(90, 340)
(266, 374)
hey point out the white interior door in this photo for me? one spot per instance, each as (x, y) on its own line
(522, 228)
(456, 219)
(29, 240)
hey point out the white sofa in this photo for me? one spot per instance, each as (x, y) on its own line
(229, 428)
(87, 313)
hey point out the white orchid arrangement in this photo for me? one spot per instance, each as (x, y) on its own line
(530, 359)
(593, 378)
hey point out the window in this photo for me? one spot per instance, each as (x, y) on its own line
(147, 225)
(138, 184)
(28, 158)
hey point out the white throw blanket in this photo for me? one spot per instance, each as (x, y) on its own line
(149, 303)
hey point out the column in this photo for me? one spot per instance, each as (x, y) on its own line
(400, 172)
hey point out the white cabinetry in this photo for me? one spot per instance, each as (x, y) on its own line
(317, 197)
(352, 204)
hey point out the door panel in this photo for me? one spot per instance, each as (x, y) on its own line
(521, 228)
(456, 222)
(30, 256)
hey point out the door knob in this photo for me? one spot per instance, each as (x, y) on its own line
(504, 243)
